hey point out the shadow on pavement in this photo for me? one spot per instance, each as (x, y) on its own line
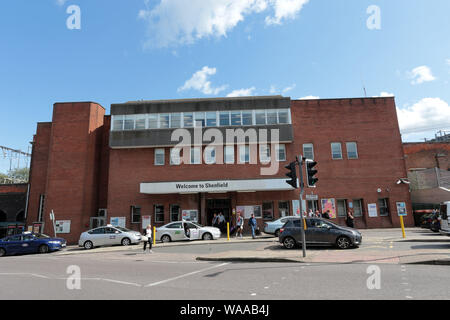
(433, 246)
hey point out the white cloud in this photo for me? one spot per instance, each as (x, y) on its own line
(386, 94)
(309, 98)
(174, 22)
(287, 89)
(421, 74)
(242, 92)
(285, 9)
(429, 114)
(200, 82)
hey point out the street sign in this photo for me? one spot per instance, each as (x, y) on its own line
(401, 209)
(312, 197)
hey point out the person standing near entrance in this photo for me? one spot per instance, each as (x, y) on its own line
(239, 225)
(221, 222)
(350, 218)
(252, 224)
(148, 234)
(215, 220)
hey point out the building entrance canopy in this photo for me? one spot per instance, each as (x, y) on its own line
(215, 186)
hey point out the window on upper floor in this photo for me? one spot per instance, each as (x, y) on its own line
(211, 119)
(175, 156)
(336, 151)
(210, 155)
(196, 155)
(224, 118)
(281, 152)
(352, 150)
(159, 157)
(308, 151)
(229, 154)
(264, 153)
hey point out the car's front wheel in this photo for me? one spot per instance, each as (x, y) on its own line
(88, 245)
(2, 252)
(43, 249)
(126, 242)
(165, 238)
(207, 236)
(289, 243)
(343, 243)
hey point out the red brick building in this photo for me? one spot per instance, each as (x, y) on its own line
(13, 203)
(88, 166)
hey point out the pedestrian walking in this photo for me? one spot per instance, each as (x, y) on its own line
(318, 214)
(221, 222)
(252, 223)
(148, 234)
(239, 225)
(350, 218)
(326, 215)
(310, 213)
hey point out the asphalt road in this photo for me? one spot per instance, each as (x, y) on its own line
(135, 275)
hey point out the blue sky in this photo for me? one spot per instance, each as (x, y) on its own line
(171, 49)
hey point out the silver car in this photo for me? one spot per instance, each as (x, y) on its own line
(275, 226)
(177, 231)
(108, 236)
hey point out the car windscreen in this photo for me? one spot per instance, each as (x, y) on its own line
(41, 236)
(122, 229)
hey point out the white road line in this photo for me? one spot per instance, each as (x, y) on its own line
(122, 282)
(185, 275)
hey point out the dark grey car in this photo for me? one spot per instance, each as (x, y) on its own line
(319, 232)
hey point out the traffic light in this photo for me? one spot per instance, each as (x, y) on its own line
(292, 167)
(311, 172)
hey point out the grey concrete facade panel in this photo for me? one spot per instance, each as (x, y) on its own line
(162, 137)
(198, 105)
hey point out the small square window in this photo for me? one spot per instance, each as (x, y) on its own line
(164, 121)
(308, 151)
(352, 150)
(175, 120)
(159, 157)
(264, 153)
(159, 213)
(135, 214)
(281, 152)
(260, 117)
(224, 118)
(175, 158)
(188, 119)
(336, 150)
(153, 121)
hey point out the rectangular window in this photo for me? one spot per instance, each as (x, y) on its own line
(272, 116)
(236, 118)
(357, 207)
(175, 157)
(159, 213)
(308, 151)
(229, 154)
(244, 154)
(196, 155)
(352, 150)
(118, 123)
(247, 118)
(211, 119)
(260, 117)
(281, 152)
(164, 121)
(210, 155)
(175, 212)
(283, 208)
(159, 157)
(384, 207)
(135, 214)
(141, 122)
(283, 116)
(175, 120)
(129, 122)
(267, 211)
(188, 119)
(264, 153)
(336, 150)
(199, 119)
(342, 208)
(225, 118)
(153, 121)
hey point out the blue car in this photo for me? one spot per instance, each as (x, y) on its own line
(30, 243)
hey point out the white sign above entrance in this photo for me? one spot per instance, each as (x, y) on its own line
(216, 186)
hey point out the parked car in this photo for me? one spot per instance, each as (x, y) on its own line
(319, 232)
(30, 243)
(108, 236)
(426, 220)
(176, 231)
(274, 227)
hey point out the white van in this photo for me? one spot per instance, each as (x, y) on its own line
(445, 218)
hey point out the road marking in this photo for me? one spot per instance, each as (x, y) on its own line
(122, 282)
(253, 294)
(185, 275)
(409, 297)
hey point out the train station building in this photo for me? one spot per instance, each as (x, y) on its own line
(167, 160)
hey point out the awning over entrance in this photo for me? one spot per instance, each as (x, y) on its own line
(215, 186)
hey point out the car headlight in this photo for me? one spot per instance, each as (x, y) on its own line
(55, 242)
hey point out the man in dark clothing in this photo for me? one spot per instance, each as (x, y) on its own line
(326, 215)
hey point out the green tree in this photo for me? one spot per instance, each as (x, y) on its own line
(19, 175)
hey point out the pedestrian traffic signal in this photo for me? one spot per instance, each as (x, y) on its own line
(292, 167)
(311, 172)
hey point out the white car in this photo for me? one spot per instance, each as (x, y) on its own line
(108, 236)
(175, 231)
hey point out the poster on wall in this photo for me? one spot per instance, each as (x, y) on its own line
(189, 215)
(118, 221)
(329, 205)
(62, 226)
(146, 220)
(372, 210)
(296, 207)
(247, 211)
(401, 209)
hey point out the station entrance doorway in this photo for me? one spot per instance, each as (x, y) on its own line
(215, 206)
